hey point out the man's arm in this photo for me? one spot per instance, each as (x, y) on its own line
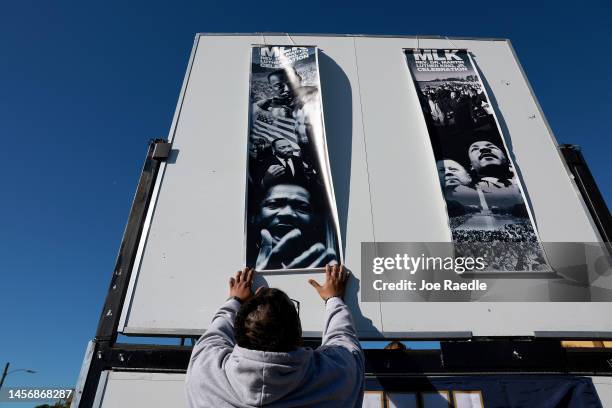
(220, 332)
(339, 328)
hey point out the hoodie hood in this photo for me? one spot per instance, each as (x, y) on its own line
(262, 377)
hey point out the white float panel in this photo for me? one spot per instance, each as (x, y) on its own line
(603, 385)
(146, 390)
(384, 177)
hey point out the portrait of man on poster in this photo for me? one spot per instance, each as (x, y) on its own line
(291, 231)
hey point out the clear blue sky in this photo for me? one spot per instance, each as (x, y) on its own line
(84, 85)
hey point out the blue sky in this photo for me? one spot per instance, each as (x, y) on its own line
(84, 86)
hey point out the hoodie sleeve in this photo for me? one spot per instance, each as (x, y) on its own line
(339, 328)
(220, 332)
(207, 362)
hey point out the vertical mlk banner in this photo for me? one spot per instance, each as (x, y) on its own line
(483, 194)
(291, 217)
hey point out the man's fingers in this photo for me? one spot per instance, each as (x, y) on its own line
(328, 269)
(285, 243)
(340, 273)
(267, 242)
(334, 272)
(238, 276)
(266, 239)
(232, 282)
(276, 170)
(314, 284)
(324, 259)
(308, 257)
(344, 273)
(291, 235)
(272, 254)
(247, 275)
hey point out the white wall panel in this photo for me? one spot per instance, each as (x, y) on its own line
(384, 177)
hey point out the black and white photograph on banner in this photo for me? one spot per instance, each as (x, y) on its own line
(484, 198)
(291, 212)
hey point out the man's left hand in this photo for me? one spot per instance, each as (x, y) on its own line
(240, 285)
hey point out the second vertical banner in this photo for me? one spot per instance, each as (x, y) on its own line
(484, 197)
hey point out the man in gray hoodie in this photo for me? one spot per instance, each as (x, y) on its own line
(250, 356)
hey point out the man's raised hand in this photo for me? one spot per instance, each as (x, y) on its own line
(240, 285)
(272, 173)
(336, 277)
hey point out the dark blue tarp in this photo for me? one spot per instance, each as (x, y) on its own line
(508, 391)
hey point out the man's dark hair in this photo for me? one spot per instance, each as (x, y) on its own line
(268, 322)
(273, 142)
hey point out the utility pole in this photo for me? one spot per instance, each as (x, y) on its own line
(4, 374)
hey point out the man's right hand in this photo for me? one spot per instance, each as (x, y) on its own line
(240, 285)
(274, 171)
(336, 277)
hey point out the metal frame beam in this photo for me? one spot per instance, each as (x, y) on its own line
(106, 333)
(589, 190)
(454, 358)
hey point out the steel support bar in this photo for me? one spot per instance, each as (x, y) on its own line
(454, 358)
(589, 190)
(106, 333)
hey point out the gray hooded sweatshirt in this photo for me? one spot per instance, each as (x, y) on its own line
(223, 374)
